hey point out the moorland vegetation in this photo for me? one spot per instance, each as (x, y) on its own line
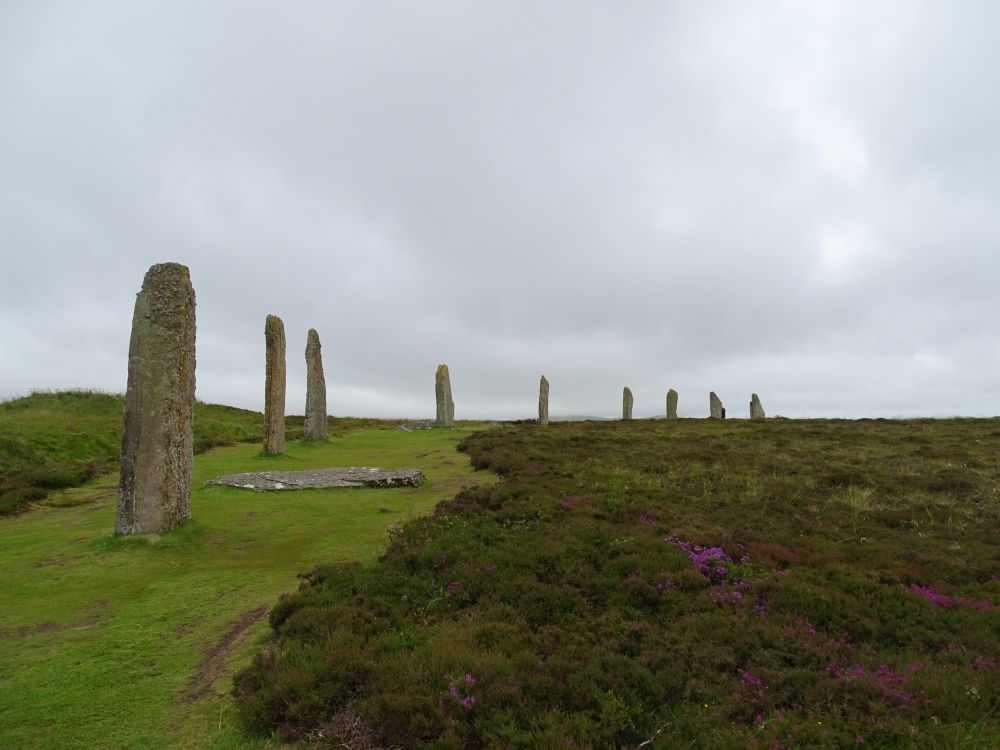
(655, 584)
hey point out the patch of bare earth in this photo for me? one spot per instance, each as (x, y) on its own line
(213, 664)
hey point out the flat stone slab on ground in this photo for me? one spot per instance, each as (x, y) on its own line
(311, 479)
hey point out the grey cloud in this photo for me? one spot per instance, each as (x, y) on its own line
(794, 199)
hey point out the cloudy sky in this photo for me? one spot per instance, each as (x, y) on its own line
(794, 198)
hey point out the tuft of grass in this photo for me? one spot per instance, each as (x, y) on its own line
(693, 583)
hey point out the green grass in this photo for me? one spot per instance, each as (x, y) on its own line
(57, 439)
(115, 642)
(54, 440)
(694, 583)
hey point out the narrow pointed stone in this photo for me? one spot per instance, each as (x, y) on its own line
(715, 410)
(315, 423)
(442, 395)
(671, 404)
(756, 410)
(154, 493)
(627, 401)
(543, 402)
(274, 386)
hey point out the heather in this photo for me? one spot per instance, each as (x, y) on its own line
(657, 584)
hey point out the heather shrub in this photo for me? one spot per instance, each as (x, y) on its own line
(703, 584)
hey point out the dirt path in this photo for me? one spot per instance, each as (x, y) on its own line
(213, 664)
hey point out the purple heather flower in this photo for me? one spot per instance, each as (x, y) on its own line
(938, 599)
(752, 681)
(980, 664)
(469, 679)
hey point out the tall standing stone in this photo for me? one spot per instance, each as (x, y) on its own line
(756, 410)
(442, 395)
(671, 404)
(274, 386)
(154, 494)
(627, 401)
(543, 402)
(315, 423)
(715, 410)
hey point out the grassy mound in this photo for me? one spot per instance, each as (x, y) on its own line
(54, 440)
(819, 584)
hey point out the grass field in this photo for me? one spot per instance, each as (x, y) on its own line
(54, 440)
(695, 584)
(110, 642)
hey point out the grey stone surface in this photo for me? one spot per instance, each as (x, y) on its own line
(274, 386)
(351, 476)
(314, 427)
(671, 404)
(411, 426)
(543, 402)
(154, 493)
(627, 402)
(442, 395)
(715, 410)
(756, 410)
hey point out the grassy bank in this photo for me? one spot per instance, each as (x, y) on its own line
(701, 584)
(109, 642)
(54, 440)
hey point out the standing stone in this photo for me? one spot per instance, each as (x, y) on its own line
(756, 410)
(671, 404)
(154, 494)
(627, 403)
(315, 424)
(543, 402)
(274, 386)
(442, 394)
(715, 410)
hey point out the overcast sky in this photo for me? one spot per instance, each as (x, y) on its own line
(797, 199)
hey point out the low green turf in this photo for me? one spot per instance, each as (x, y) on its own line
(54, 440)
(693, 583)
(110, 642)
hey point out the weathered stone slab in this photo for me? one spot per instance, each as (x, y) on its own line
(351, 476)
(274, 386)
(411, 426)
(543, 402)
(315, 427)
(671, 404)
(756, 410)
(715, 410)
(154, 494)
(627, 402)
(442, 395)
